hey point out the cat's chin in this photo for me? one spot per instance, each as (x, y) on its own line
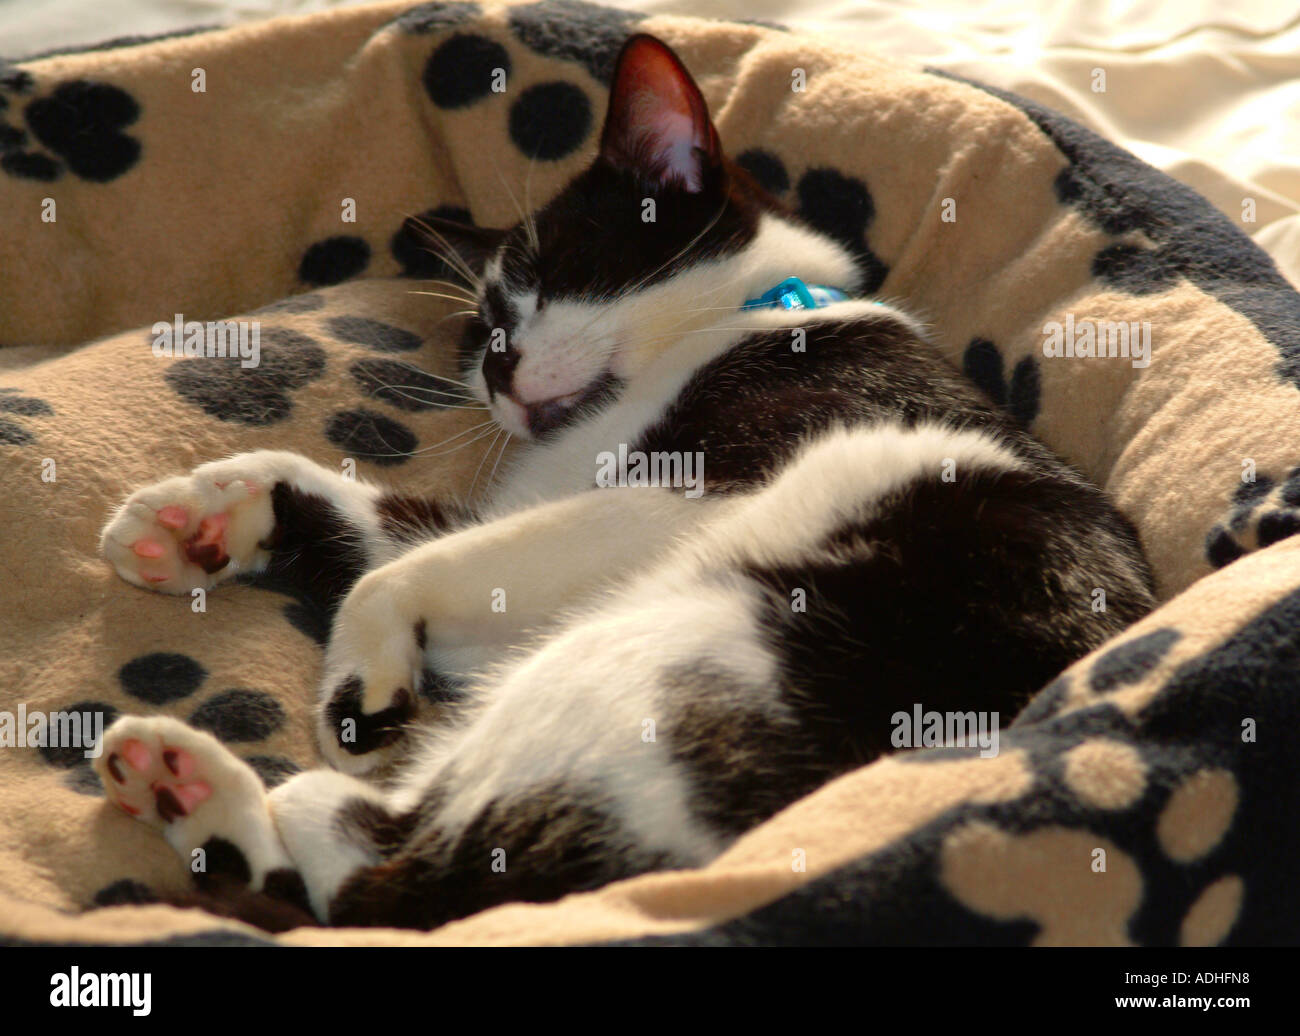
(511, 416)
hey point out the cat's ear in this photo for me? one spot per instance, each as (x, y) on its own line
(658, 124)
(474, 245)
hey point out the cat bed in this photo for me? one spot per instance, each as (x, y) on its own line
(269, 173)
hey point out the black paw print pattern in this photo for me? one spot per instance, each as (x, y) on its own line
(837, 204)
(366, 433)
(79, 125)
(1182, 236)
(546, 121)
(256, 396)
(1263, 512)
(236, 716)
(13, 408)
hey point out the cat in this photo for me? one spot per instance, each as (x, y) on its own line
(672, 667)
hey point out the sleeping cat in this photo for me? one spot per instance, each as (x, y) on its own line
(670, 667)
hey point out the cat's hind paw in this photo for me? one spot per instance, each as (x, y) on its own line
(191, 532)
(188, 785)
(159, 770)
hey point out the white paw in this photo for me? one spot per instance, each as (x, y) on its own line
(374, 666)
(188, 785)
(159, 770)
(192, 531)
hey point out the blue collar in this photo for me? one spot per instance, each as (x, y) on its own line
(792, 293)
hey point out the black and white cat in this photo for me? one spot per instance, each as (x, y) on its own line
(670, 667)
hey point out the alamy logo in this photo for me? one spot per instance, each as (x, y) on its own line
(921, 729)
(96, 989)
(216, 338)
(659, 469)
(1098, 338)
(35, 729)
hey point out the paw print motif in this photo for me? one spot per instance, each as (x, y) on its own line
(79, 125)
(14, 405)
(1263, 512)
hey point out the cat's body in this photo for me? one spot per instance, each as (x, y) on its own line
(578, 684)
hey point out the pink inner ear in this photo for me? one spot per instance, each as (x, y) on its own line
(658, 121)
(675, 140)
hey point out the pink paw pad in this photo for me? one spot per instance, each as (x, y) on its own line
(147, 549)
(135, 753)
(173, 516)
(179, 800)
(172, 800)
(207, 547)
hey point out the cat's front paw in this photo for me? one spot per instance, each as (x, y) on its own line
(192, 531)
(375, 670)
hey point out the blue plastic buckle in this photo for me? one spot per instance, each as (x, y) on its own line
(792, 293)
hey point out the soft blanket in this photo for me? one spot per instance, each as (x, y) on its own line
(269, 173)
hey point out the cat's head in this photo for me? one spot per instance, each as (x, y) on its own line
(659, 236)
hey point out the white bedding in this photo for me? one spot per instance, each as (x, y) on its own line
(1207, 90)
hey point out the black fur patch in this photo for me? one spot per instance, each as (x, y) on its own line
(286, 884)
(551, 840)
(221, 859)
(417, 517)
(1025, 552)
(280, 907)
(83, 780)
(1220, 548)
(373, 730)
(607, 202)
(745, 764)
(315, 552)
(362, 821)
(30, 165)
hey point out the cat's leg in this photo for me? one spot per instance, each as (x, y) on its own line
(759, 658)
(268, 512)
(459, 604)
(297, 844)
(208, 803)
